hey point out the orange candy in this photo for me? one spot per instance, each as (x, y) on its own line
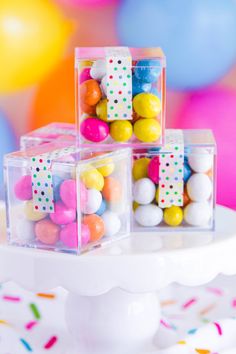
(112, 190)
(91, 110)
(186, 198)
(90, 92)
(96, 226)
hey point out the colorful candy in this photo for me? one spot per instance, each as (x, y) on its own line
(140, 168)
(147, 130)
(101, 109)
(140, 86)
(85, 75)
(200, 160)
(197, 214)
(68, 193)
(32, 214)
(102, 208)
(153, 169)
(24, 231)
(47, 232)
(98, 69)
(112, 223)
(121, 130)
(90, 92)
(23, 188)
(96, 226)
(148, 215)
(147, 70)
(147, 105)
(93, 202)
(199, 187)
(92, 178)
(173, 216)
(112, 190)
(63, 215)
(106, 167)
(57, 181)
(144, 191)
(94, 129)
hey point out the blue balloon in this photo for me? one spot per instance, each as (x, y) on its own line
(7, 144)
(197, 36)
(102, 208)
(147, 70)
(139, 86)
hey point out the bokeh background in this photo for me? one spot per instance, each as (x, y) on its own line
(37, 40)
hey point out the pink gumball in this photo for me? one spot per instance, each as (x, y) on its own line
(63, 215)
(69, 235)
(85, 75)
(83, 195)
(23, 188)
(94, 129)
(68, 193)
(153, 169)
(85, 235)
(215, 109)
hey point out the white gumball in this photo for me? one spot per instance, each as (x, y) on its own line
(199, 187)
(112, 223)
(148, 215)
(93, 201)
(197, 214)
(104, 86)
(24, 231)
(98, 69)
(200, 160)
(144, 191)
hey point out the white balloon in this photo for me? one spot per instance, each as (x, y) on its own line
(148, 215)
(200, 160)
(144, 191)
(199, 187)
(197, 214)
(93, 202)
(98, 69)
(112, 223)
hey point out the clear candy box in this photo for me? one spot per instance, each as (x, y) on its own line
(56, 203)
(174, 185)
(120, 96)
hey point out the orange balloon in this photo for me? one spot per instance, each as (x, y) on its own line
(112, 190)
(90, 92)
(54, 99)
(96, 226)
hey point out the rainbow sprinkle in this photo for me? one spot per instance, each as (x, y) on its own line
(52, 341)
(26, 345)
(218, 327)
(30, 325)
(46, 296)
(35, 311)
(11, 298)
(189, 303)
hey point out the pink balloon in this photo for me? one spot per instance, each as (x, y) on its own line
(215, 108)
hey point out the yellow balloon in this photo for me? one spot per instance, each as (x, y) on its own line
(33, 37)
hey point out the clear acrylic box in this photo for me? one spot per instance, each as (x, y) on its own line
(120, 96)
(48, 133)
(174, 185)
(56, 203)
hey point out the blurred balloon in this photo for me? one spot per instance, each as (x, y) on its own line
(7, 144)
(87, 2)
(54, 100)
(215, 109)
(198, 37)
(33, 36)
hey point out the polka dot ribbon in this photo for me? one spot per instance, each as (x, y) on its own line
(42, 184)
(119, 83)
(171, 170)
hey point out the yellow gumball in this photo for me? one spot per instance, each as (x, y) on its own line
(135, 205)
(107, 167)
(147, 105)
(157, 195)
(32, 214)
(173, 216)
(33, 38)
(140, 168)
(85, 64)
(101, 109)
(121, 130)
(147, 130)
(92, 178)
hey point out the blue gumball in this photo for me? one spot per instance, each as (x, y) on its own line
(187, 171)
(102, 208)
(155, 92)
(147, 70)
(139, 86)
(7, 144)
(57, 181)
(198, 37)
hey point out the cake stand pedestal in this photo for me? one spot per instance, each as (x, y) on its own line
(113, 305)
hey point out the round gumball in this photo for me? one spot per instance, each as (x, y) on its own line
(86, 109)
(96, 226)
(139, 86)
(47, 232)
(62, 215)
(94, 129)
(23, 188)
(147, 130)
(200, 160)
(104, 86)
(186, 198)
(92, 178)
(84, 75)
(85, 235)
(93, 202)
(187, 171)
(112, 223)
(101, 109)
(197, 214)
(121, 130)
(144, 191)
(83, 195)
(31, 213)
(147, 70)
(157, 195)
(69, 235)
(140, 168)
(98, 69)
(199, 187)
(102, 208)
(147, 105)
(135, 206)
(56, 181)
(68, 193)
(90, 92)
(173, 216)
(24, 231)
(112, 190)
(107, 167)
(148, 215)
(153, 169)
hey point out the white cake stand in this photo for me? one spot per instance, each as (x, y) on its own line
(113, 305)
